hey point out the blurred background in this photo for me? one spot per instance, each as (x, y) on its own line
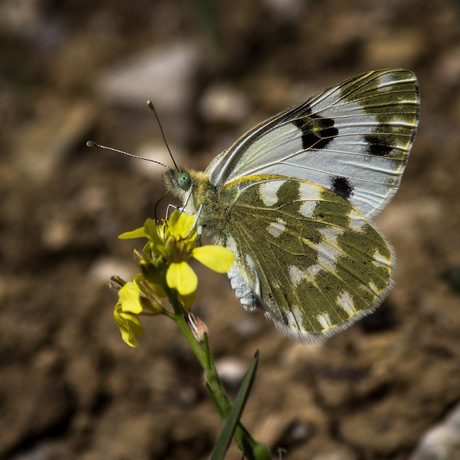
(387, 388)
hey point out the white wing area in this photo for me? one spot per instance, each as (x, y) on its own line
(353, 139)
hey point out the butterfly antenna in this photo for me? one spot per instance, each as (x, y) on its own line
(94, 144)
(152, 108)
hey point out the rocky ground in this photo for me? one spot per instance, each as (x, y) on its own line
(387, 388)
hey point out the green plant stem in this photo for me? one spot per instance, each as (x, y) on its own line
(246, 443)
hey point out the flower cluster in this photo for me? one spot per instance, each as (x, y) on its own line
(165, 271)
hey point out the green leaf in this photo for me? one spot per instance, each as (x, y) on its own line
(228, 430)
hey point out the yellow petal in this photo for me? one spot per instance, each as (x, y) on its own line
(129, 326)
(129, 296)
(216, 258)
(138, 233)
(129, 335)
(182, 278)
(181, 224)
(153, 232)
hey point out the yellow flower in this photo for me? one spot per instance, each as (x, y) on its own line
(171, 245)
(127, 311)
(163, 263)
(133, 302)
(180, 275)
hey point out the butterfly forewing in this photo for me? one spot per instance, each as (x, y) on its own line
(353, 139)
(313, 261)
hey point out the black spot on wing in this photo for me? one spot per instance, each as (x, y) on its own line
(377, 146)
(317, 131)
(341, 186)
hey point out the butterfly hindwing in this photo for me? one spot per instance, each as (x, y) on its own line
(304, 254)
(353, 139)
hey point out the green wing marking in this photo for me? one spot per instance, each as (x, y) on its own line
(307, 256)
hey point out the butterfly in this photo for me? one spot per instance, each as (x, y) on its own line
(293, 200)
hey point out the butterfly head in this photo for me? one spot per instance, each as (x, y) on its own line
(195, 191)
(178, 181)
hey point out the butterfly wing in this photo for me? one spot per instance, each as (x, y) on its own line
(304, 254)
(353, 139)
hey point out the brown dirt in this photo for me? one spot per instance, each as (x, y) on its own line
(69, 387)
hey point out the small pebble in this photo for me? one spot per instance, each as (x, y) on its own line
(231, 370)
(442, 442)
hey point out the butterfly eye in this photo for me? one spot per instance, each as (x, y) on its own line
(183, 180)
